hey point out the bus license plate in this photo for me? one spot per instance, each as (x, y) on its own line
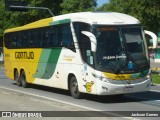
(128, 88)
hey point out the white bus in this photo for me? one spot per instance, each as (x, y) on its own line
(101, 53)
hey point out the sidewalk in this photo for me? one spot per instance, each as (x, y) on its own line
(154, 64)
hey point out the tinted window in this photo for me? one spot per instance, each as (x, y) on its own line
(84, 42)
(45, 37)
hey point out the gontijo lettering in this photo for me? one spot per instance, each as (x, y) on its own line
(24, 55)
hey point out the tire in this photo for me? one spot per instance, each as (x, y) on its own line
(17, 78)
(74, 88)
(23, 79)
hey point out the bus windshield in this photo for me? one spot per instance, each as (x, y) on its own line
(120, 49)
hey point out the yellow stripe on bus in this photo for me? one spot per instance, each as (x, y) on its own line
(37, 24)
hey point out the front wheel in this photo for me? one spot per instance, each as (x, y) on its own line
(74, 88)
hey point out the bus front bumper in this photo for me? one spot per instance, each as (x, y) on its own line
(123, 87)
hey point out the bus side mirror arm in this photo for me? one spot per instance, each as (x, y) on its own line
(92, 40)
(153, 36)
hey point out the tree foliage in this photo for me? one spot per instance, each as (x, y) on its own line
(33, 15)
(147, 11)
(69, 6)
(9, 19)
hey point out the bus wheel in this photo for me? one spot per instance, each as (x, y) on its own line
(16, 78)
(23, 79)
(74, 88)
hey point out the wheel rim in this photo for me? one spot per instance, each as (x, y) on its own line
(17, 78)
(74, 87)
(23, 80)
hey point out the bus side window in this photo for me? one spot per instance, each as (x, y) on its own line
(36, 40)
(45, 37)
(67, 39)
(39, 43)
(31, 40)
(20, 39)
(24, 40)
(50, 37)
(27, 39)
(55, 36)
(85, 47)
(65, 36)
(14, 40)
(7, 40)
(84, 42)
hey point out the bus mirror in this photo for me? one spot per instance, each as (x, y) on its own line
(153, 37)
(92, 40)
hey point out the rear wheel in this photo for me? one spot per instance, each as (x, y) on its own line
(74, 88)
(16, 78)
(23, 79)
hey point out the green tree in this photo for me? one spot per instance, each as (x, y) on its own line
(33, 15)
(147, 11)
(9, 19)
(6, 18)
(69, 6)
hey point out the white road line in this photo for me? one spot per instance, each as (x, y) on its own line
(155, 90)
(64, 102)
(149, 100)
(2, 76)
(49, 98)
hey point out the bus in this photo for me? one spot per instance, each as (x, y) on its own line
(100, 53)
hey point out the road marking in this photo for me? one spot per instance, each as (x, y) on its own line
(147, 100)
(64, 102)
(2, 76)
(2, 68)
(49, 98)
(155, 90)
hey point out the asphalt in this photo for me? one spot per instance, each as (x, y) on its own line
(155, 88)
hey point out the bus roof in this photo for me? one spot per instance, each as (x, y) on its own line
(105, 18)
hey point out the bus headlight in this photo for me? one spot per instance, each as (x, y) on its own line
(101, 78)
(149, 76)
(104, 79)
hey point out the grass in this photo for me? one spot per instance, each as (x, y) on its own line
(155, 78)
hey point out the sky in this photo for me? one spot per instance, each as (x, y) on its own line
(101, 2)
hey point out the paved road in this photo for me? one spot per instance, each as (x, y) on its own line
(20, 104)
(49, 99)
(14, 98)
